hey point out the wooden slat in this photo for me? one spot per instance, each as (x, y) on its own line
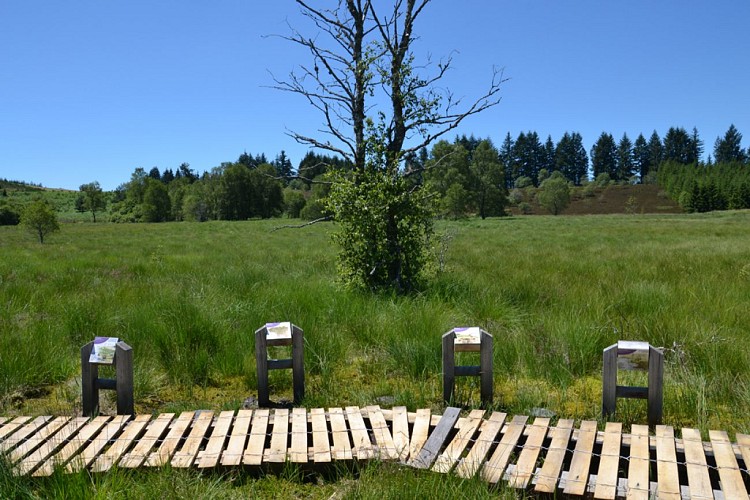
(298, 449)
(342, 448)
(383, 438)
(361, 445)
(187, 453)
(163, 455)
(697, 469)
(478, 453)
(23, 432)
(400, 432)
(279, 436)
(219, 435)
(419, 432)
(434, 443)
(48, 448)
(494, 468)
(527, 459)
(609, 463)
(729, 472)
(140, 452)
(37, 439)
(13, 426)
(105, 461)
(743, 442)
(256, 442)
(638, 468)
(455, 449)
(89, 454)
(236, 446)
(321, 445)
(553, 462)
(73, 446)
(578, 474)
(668, 481)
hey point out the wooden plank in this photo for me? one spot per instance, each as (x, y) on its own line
(455, 449)
(124, 441)
(48, 448)
(638, 469)
(23, 432)
(434, 443)
(494, 468)
(383, 438)
(73, 446)
(553, 462)
(400, 432)
(185, 457)
(609, 463)
(13, 426)
(342, 448)
(257, 441)
(743, 442)
(361, 445)
(419, 432)
(527, 459)
(321, 445)
(478, 453)
(298, 448)
(279, 436)
(97, 444)
(726, 461)
(668, 481)
(578, 474)
(142, 449)
(233, 454)
(212, 453)
(163, 455)
(697, 469)
(37, 439)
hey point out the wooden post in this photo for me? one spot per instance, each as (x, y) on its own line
(122, 384)
(609, 381)
(89, 376)
(467, 340)
(280, 334)
(655, 385)
(449, 366)
(485, 364)
(124, 379)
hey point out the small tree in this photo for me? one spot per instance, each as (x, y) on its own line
(554, 194)
(92, 198)
(40, 219)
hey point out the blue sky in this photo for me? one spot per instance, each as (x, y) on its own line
(92, 89)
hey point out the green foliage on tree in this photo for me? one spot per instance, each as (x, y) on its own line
(554, 194)
(93, 199)
(604, 156)
(40, 219)
(729, 148)
(156, 206)
(488, 178)
(9, 214)
(571, 159)
(294, 202)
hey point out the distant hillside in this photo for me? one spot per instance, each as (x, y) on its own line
(638, 199)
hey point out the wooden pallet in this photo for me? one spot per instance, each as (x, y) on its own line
(533, 455)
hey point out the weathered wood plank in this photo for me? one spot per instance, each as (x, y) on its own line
(578, 474)
(342, 448)
(361, 445)
(233, 453)
(697, 469)
(553, 462)
(140, 452)
(419, 432)
(445, 462)
(105, 461)
(257, 441)
(279, 436)
(50, 445)
(743, 442)
(668, 481)
(23, 432)
(87, 456)
(13, 426)
(527, 459)
(321, 444)
(383, 438)
(488, 430)
(73, 446)
(606, 479)
(298, 448)
(638, 469)
(435, 441)
(729, 472)
(400, 421)
(186, 455)
(37, 439)
(163, 455)
(219, 435)
(493, 470)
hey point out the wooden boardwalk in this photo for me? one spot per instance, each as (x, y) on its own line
(529, 454)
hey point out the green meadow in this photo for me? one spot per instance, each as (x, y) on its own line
(553, 291)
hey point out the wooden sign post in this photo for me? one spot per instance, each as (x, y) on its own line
(280, 334)
(471, 339)
(629, 355)
(122, 383)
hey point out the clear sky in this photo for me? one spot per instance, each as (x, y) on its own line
(92, 89)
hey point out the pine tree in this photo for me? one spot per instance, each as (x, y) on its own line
(729, 149)
(641, 156)
(604, 156)
(625, 166)
(506, 159)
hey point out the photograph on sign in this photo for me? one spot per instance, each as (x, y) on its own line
(279, 331)
(104, 350)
